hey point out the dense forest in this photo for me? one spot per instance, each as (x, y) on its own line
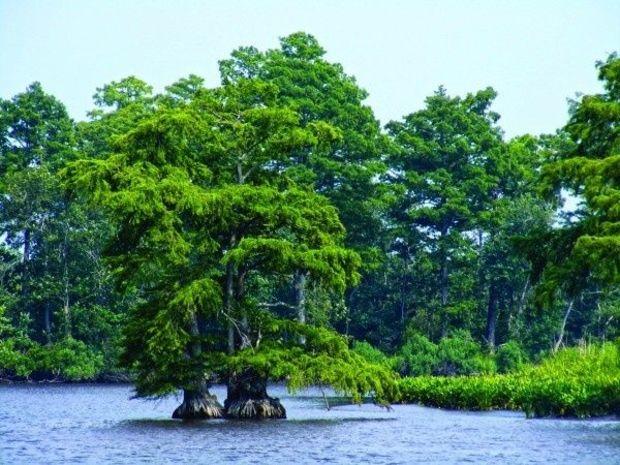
(269, 228)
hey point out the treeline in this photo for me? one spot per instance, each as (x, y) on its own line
(277, 197)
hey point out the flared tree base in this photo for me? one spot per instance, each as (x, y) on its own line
(198, 405)
(248, 399)
(255, 409)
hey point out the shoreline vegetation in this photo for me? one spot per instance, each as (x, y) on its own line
(576, 382)
(269, 228)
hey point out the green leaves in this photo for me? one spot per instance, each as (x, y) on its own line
(589, 168)
(35, 130)
(346, 157)
(202, 296)
(123, 93)
(577, 382)
(323, 359)
(204, 219)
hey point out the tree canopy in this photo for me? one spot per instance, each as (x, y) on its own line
(268, 228)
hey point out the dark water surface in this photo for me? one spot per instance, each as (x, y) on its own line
(99, 424)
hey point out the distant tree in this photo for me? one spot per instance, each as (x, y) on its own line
(119, 106)
(582, 256)
(54, 273)
(36, 138)
(445, 176)
(347, 170)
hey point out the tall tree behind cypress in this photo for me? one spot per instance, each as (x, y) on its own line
(345, 171)
(581, 258)
(36, 138)
(445, 166)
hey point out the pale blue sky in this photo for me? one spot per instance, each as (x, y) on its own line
(535, 53)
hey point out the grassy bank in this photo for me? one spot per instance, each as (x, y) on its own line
(576, 382)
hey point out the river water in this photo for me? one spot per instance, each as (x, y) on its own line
(100, 424)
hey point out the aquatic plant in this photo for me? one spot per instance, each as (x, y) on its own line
(575, 382)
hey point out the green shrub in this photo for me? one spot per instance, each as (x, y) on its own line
(578, 381)
(100, 329)
(14, 348)
(510, 357)
(459, 354)
(13, 361)
(417, 356)
(575, 382)
(370, 353)
(69, 359)
(460, 392)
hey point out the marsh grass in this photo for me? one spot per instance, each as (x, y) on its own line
(575, 382)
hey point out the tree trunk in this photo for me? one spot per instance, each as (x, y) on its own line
(526, 288)
(248, 399)
(520, 305)
(247, 391)
(558, 343)
(444, 283)
(228, 299)
(443, 278)
(491, 317)
(47, 322)
(26, 256)
(244, 324)
(25, 264)
(299, 284)
(443, 289)
(197, 403)
(403, 296)
(66, 309)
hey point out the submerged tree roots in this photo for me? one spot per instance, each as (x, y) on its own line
(198, 405)
(248, 399)
(255, 409)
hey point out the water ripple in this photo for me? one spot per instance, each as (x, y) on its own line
(96, 424)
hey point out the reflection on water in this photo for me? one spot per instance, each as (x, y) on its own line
(99, 424)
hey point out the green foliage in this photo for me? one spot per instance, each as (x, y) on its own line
(370, 353)
(14, 362)
(324, 97)
(576, 382)
(510, 357)
(51, 245)
(35, 130)
(418, 356)
(182, 234)
(323, 359)
(456, 354)
(448, 168)
(68, 359)
(459, 354)
(590, 242)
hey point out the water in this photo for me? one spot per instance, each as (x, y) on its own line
(99, 424)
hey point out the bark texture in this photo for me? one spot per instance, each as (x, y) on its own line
(198, 404)
(558, 342)
(299, 285)
(491, 317)
(248, 399)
